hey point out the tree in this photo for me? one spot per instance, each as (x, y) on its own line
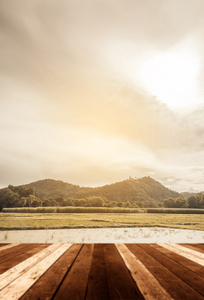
(8, 198)
(169, 202)
(127, 204)
(96, 201)
(181, 202)
(80, 202)
(46, 203)
(196, 201)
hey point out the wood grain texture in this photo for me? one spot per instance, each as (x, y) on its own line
(195, 267)
(48, 283)
(150, 287)
(97, 288)
(19, 286)
(172, 284)
(12, 251)
(7, 246)
(195, 247)
(75, 283)
(120, 283)
(13, 273)
(21, 257)
(101, 271)
(188, 253)
(183, 272)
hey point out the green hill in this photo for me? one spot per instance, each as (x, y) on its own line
(142, 191)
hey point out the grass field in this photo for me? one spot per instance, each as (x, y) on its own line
(9, 221)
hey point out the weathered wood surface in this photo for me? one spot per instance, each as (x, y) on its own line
(101, 271)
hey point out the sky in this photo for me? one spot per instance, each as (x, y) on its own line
(92, 92)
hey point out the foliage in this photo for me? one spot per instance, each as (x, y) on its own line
(196, 201)
(178, 202)
(18, 197)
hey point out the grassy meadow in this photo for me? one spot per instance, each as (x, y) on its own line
(16, 220)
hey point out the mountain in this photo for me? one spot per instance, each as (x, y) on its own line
(189, 194)
(142, 191)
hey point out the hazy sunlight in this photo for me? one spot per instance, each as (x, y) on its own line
(172, 76)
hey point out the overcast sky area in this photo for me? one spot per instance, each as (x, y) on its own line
(92, 92)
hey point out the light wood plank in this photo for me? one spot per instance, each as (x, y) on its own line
(49, 282)
(13, 273)
(19, 286)
(188, 253)
(148, 285)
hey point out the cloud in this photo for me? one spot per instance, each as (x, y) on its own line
(68, 106)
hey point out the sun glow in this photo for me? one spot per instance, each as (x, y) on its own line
(172, 76)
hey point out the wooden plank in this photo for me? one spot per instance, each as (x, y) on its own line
(97, 283)
(19, 286)
(7, 257)
(13, 273)
(120, 283)
(171, 283)
(7, 246)
(34, 248)
(75, 283)
(195, 247)
(180, 259)
(48, 283)
(12, 250)
(188, 253)
(201, 246)
(184, 273)
(150, 288)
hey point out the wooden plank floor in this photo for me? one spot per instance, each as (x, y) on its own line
(101, 271)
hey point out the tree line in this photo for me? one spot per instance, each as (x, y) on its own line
(21, 196)
(196, 201)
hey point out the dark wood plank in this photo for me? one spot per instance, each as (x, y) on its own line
(195, 267)
(195, 247)
(97, 288)
(173, 285)
(75, 283)
(120, 283)
(48, 284)
(33, 249)
(16, 252)
(11, 251)
(2, 245)
(181, 271)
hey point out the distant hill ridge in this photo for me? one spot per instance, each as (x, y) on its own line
(143, 191)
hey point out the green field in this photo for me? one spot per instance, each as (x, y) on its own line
(9, 221)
